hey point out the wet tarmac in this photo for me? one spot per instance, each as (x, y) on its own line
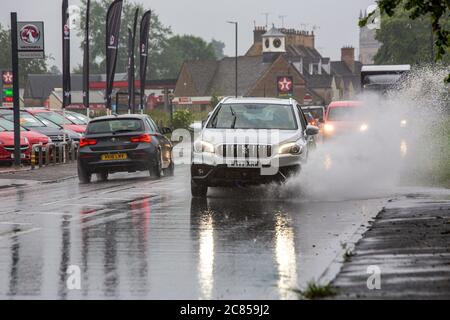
(137, 238)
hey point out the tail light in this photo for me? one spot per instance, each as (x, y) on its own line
(87, 142)
(146, 138)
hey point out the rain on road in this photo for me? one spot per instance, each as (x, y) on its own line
(138, 238)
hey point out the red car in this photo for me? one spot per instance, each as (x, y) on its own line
(32, 136)
(7, 147)
(53, 116)
(344, 117)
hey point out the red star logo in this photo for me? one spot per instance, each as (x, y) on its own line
(285, 84)
(7, 77)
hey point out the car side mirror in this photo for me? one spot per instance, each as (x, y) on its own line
(166, 130)
(312, 130)
(196, 126)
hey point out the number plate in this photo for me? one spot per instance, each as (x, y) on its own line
(244, 164)
(114, 156)
(22, 156)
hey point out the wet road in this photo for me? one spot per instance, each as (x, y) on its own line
(134, 237)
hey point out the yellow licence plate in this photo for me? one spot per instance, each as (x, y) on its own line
(114, 156)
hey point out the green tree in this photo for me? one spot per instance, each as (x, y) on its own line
(182, 119)
(405, 40)
(437, 11)
(158, 37)
(218, 48)
(179, 49)
(26, 66)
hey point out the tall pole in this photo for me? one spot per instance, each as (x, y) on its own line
(67, 98)
(15, 70)
(86, 62)
(236, 62)
(235, 58)
(131, 67)
(143, 54)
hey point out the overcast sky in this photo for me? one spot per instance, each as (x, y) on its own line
(337, 20)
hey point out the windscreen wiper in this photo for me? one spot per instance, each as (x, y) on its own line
(234, 118)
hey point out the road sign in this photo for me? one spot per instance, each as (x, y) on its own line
(30, 40)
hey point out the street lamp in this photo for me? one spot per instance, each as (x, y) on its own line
(236, 57)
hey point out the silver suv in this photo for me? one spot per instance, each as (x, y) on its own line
(248, 141)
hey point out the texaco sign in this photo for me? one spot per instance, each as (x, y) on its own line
(30, 40)
(285, 86)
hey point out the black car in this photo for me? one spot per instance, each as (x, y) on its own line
(124, 143)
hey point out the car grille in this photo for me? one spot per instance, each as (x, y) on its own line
(22, 148)
(251, 151)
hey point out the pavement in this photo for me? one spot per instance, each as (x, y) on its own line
(409, 245)
(45, 174)
(134, 237)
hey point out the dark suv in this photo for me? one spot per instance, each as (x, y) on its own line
(125, 143)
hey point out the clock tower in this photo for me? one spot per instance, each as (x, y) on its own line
(274, 44)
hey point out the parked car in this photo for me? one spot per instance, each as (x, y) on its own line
(231, 149)
(75, 117)
(30, 122)
(7, 147)
(55, 117)
(33, 137)
(125, 143)
(345, 117)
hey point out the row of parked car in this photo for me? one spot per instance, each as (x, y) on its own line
(38, 126)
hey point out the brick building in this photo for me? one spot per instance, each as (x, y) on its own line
(275, 54)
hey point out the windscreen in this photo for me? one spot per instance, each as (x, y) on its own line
(80, 117)
(345, 114)
(75, 119)
(8, 125)
(26, 120)
(115, 126)
(54, 117)
(254, 116)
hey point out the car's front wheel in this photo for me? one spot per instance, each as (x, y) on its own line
(198, 190)
(83, 175)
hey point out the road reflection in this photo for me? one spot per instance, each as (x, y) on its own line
(206, 255)
(285, 256)
(403, 148)
(245, 241)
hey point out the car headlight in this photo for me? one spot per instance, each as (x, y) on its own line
(364, 127)
(203, 146)
(329, 128)
(403, 123)
(290, 148)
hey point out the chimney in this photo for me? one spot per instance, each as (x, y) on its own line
(348, 56)
(257, 34)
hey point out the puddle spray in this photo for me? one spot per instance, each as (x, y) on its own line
(403, 142)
